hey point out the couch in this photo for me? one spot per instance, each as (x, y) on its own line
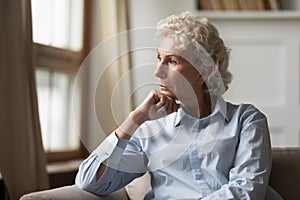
(285, 179)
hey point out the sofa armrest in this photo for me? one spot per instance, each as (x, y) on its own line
(73, 193)
(285, 174)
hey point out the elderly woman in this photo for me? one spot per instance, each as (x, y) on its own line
(193, 143)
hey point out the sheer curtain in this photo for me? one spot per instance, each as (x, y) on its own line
(22, 158)
(113, 16)
(109, 18)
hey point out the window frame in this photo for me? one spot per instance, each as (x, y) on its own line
(49, 58)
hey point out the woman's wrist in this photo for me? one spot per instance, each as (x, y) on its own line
(131, 123)
(138, 117)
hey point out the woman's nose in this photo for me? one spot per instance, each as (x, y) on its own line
(160, 71)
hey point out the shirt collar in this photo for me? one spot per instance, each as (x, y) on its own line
(219, 106)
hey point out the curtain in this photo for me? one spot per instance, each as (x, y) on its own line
(22, 158)
(113, 16)
(108, 102)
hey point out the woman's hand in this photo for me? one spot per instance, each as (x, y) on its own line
(155, 105)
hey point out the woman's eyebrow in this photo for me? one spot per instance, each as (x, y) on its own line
(168, 54)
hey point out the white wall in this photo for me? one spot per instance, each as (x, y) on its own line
(148, 12)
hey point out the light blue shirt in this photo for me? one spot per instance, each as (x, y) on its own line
(226, 155)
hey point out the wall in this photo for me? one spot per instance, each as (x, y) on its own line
(148, 12)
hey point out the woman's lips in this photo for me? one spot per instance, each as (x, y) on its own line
(163, 87)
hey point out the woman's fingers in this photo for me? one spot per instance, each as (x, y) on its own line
(157, 105)
(162, 101)
(166, 105)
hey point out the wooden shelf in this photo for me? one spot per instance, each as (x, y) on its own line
(249, 15)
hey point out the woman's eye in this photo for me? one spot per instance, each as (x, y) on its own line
(172, 62)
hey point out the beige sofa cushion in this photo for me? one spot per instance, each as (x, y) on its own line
(72, 193)
(137, 189)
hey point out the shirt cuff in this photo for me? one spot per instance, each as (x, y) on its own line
(106, 148)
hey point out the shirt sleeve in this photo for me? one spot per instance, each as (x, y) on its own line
(119, 156)
(249, 176)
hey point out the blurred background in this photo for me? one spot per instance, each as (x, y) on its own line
(64, 39)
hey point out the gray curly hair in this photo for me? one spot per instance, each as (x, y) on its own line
(211, 53)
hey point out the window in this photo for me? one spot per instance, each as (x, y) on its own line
(59, 50)
(54, 94)
(58, 23)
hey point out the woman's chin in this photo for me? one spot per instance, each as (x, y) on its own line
(168, 94)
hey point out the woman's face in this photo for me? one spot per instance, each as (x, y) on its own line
(177, 78)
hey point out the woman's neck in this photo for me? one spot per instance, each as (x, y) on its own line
(200, 109)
